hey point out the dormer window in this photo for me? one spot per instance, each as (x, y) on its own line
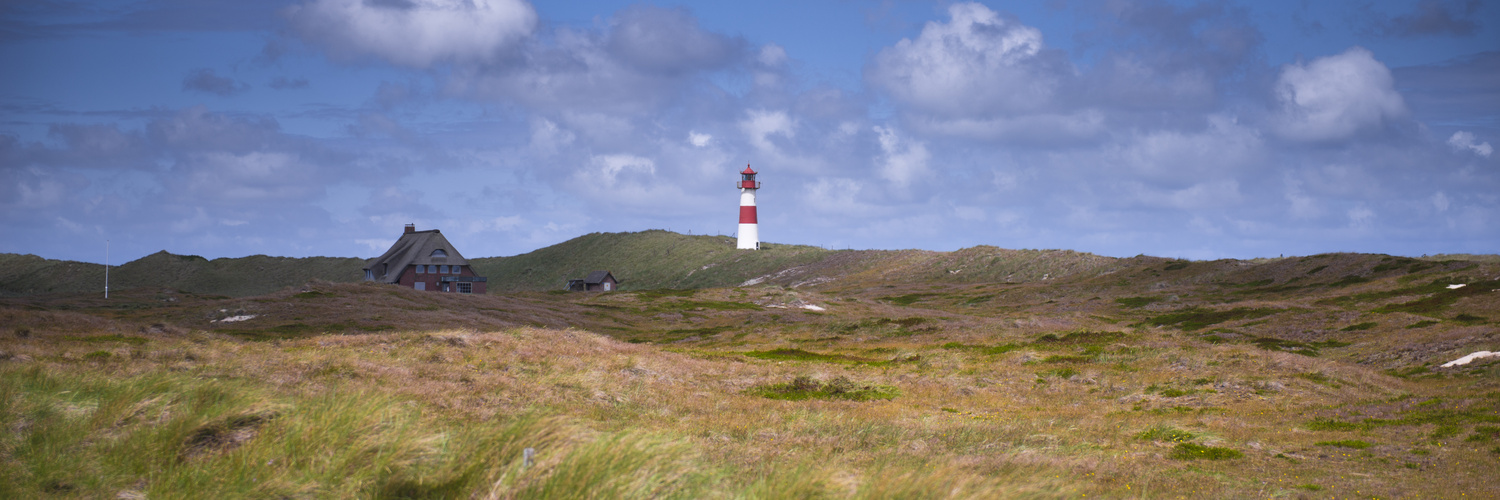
(439, 253)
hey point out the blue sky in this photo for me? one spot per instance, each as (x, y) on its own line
(1180, 129)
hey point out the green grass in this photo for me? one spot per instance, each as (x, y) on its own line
(908, 299)
(1359, 326)
(801, 355)
(1349, 280)
(1469, 319)
(691, 305)
(987, 350)
(1137, 302)
(1484, 433)
(1422, 324)
(1194, 451)
(803, 388)
(1062, 373)
(1442, 297)
(1077, 338)
(184, 274)
(1164, 432)
(124, 339)
(1347, 443)
(1197, 318)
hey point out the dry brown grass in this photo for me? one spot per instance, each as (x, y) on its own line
(1054, 419)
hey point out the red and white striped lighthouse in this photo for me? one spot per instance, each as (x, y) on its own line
(749, 228)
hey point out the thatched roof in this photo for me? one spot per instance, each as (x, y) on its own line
(415, 248)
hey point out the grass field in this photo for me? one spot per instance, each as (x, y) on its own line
(1310, 377)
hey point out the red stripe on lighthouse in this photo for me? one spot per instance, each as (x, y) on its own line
(747, 215)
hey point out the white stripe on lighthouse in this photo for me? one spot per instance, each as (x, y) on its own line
(749, 223)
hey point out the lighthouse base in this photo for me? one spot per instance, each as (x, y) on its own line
(749, 237)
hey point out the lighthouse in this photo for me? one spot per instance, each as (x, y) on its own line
(749, 229)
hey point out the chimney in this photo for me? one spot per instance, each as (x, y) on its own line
(411, 228)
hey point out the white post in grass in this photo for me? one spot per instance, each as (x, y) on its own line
(106, 269)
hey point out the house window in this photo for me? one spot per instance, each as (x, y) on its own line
(421, 285)
(421, 269)
(439, 253)
(446, 268)
(465, 287)
(445, 287)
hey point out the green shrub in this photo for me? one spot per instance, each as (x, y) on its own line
(1137, 302)
(1196, 318)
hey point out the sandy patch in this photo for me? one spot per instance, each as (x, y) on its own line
(1466, 359)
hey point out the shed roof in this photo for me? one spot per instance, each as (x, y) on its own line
(415, 248)
(597, 277)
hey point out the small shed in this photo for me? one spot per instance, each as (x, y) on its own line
(597, 281)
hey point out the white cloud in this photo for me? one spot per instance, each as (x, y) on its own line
(975, 64)
(505, 223)
(1440, 201)
(1202, 225)
(1361, 217)
(610, 166)
(905, 159)
(547, 137)
(1465, 141)
(1336, 97)
(250, 178)
(667, 41)
(1041, 128)
(1224, 148)
(760, 125)
(838, 196)
(699, 140)
(417, 33)
(1300, 205)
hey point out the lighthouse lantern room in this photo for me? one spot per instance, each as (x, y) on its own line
(749, 229)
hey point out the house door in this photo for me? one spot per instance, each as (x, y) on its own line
(606, 286)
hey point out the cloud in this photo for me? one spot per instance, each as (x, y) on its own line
(640, 62)
(1461, 141)
(284, 83)
(668, 41)
(1336, 97)
(759, 125)
(414, 33)
(977, 63)
(610, 166)
(904, 160)
(1222, 149)
(699, 140)
(244, 179)
(1159, 56)
(204, 80)
(1431, 18)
